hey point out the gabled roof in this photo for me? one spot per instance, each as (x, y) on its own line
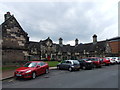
(11, 18)
(33, 44)
(44, 41)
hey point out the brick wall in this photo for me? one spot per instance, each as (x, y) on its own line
(115, 46)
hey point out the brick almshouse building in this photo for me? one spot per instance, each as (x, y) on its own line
(16, 46)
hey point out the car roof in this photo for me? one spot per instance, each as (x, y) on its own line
(36, 61)
(93, 57)
(71, 60)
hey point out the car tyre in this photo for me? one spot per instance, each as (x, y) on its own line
(47, 71)
(84, 67)
(70, 69)
(58, 67)
(94, 66)
(78, 69)
(33, 75)
(100, 66)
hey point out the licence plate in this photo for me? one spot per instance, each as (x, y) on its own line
(18, 75)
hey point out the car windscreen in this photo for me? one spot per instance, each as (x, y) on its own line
(30, 64)
(76, 62)
(107, 58)
(93, 59)
(86, 59)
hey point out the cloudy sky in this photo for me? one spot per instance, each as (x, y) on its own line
(69, 20)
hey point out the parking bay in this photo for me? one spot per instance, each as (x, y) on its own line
(105, 77)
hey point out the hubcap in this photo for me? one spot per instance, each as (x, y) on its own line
(70, 69)
(84, 67)
(34, 75)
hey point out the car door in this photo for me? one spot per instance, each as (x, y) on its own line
(102, 60)
(82, 63)
(68, 64)
(39, 68)
(62, 65)
(43, 66)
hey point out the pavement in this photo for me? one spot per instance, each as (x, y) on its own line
(7, 74)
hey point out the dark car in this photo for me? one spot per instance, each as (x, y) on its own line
(96, 62)
(86, 64)
(32, 69)
(69, 65)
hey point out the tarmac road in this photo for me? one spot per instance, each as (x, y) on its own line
(105, 77)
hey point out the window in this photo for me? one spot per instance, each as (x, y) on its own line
(76, 62)
(68, 62)
(41, 63)
(101, 59)
(30, 64)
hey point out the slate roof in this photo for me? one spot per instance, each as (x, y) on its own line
(43, 42)
(114, 39)
(64, 48)
(91, 47)
(33, 44)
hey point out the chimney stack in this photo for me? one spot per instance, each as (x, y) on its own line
(94, 39)
(7, 15)
(60, 41)
(76, 41)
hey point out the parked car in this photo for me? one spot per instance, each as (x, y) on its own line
(117, 59)
(32, 69)
(105, 61)
(96, 62)
(69, 65)
(112, 61)
(86, 64)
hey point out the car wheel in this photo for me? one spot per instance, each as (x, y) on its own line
(84, 68)
(91, 68)
(94, 66)
(16, 78)
(47, 71)
(100, 66)
(58, 67)
(70, 69)
(33, 75)
(106, 64)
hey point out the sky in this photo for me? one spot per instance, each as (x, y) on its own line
(66, 19)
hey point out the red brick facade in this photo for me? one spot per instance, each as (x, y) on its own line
(115, 47)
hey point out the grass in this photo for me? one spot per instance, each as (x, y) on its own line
(50, 63)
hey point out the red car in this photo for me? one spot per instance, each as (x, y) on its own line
(32, 69)
(105, 61)
(96, 61)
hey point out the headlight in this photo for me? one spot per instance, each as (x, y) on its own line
(28, 71)
(72, 66)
